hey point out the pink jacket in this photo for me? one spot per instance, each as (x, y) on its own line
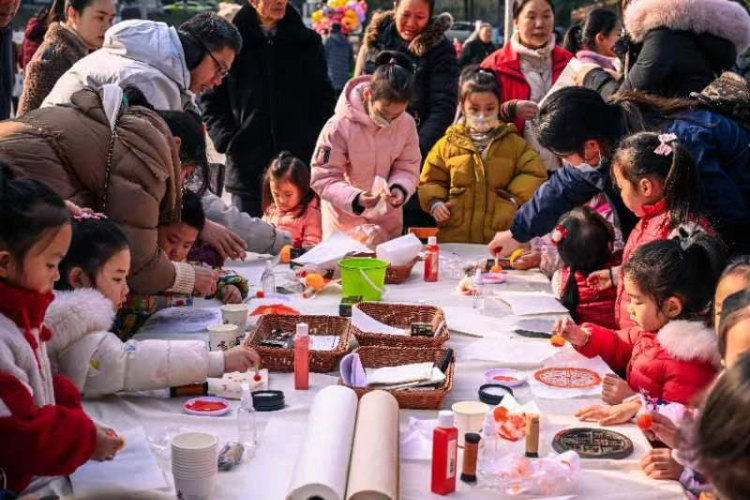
(305, 228)
(351, 151)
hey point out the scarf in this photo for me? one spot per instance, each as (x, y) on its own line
(26, 309)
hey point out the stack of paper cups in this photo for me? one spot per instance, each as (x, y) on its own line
(195, 465)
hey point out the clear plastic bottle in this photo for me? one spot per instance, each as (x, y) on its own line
(246, 422)
(479, 296)
(268, 280)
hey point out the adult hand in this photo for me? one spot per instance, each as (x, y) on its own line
(396, 198)
(368, 200)
(228, 244)
(609, 415)
(659, 464)
(663, 429)
(441, 212)
(205, 282)
(568, 329)
(527, 260)
(601, 280)
(108, 443)
(527, 110)
(240, 359)
(615, 390)
(503, 244)
(231, 295)
(77, 211)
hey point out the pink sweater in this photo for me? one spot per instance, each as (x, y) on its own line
(351, 151)
(305, 228)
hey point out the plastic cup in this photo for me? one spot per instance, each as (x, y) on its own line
(222, 337)
(194, 489)
(469, 418)
(236, 314)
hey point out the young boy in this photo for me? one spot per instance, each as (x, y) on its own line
(176, 240)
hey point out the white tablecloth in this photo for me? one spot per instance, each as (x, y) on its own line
(600, 479)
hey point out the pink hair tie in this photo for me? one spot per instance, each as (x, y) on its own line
(665, 147)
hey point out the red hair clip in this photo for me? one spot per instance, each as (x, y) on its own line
(559, 234)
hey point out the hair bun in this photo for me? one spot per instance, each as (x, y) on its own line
(394, 58)
(687, 234)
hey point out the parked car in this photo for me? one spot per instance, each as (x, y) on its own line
(191, 7)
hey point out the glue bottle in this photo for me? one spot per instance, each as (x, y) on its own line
(302, 358)
(444, 455)
(246, 421)
(431, 260)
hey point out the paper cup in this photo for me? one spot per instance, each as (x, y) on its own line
(469, 418)
(222, 337)
(236, 314)
(194, 489)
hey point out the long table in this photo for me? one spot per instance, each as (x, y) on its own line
(161, 416)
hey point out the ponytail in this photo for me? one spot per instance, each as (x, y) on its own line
(583, 36)
(393, 79)
(572, 41)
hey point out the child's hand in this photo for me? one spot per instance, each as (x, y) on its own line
(240, 359)
(108, 444)
(231, 295)
(441, 212)
(527, 260)
(609, 415)
(615, 390)
(205, 281)
(396, 198)
(526, 110)
(568, 329)
(601, 280)
(659, 464)
(663, 429)
(368, 200)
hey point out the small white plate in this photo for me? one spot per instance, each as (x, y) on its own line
(493, 278)
(505, 372)
(210, 399)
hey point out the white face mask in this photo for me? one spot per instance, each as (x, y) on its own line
(482, 124)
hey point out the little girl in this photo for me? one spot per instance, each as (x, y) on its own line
(594, 41)
(91, 289)
(481, 171)
(670, 354)
(658, 182)
(584, 241)
(366, 163)
(44, 429)
(288, 201)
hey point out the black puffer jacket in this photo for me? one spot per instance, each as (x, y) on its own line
(276, 97)
(436, 74)
(677, 46)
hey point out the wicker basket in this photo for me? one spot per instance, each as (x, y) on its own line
(282, 360)
(402, 316)
(416, 398)
(394, 275)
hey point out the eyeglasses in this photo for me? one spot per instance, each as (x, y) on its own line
(221, 70)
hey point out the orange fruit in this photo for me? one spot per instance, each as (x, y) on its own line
(285, 256)
(515, 255)
(645, 421)
(557, 340)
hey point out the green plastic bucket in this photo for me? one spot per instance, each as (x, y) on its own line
(363, 277)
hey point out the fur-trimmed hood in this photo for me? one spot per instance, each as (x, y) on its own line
(722, 18)
(422, 44)
(690, 341)
(75, 314)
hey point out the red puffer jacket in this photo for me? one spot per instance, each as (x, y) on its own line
(653, 226)
(513, 85)
(594, 306)
(674, 364)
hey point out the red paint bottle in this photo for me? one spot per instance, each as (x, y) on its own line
(431, 260)
(444, 455)
(302, 358)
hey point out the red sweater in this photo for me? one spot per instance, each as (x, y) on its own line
(674, 364)
(594, 306)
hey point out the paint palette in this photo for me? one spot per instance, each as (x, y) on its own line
(206, 406)
(505, 376)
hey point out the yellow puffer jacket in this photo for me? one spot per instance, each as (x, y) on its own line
(484, 192)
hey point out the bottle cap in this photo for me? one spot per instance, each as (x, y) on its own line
(472, 437)
(269, 264)
(302, 330)
(445, 419)
(432, 240)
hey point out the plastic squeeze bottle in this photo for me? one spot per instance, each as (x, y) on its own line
(431, 260)
(302, 358)
(246, 421)
(444, 455)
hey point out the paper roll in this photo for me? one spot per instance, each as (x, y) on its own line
(323, 464)
(374, 472)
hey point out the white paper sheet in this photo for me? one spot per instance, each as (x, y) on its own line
(399, 374)
(323, 463)
(182, 320)
(134, 468)
(416, 441)
(270, 470)
(570, 358)
(369, 324)
(525, 303)
(327, 254)
(324, 342)
(511, 352)
(473, 322)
